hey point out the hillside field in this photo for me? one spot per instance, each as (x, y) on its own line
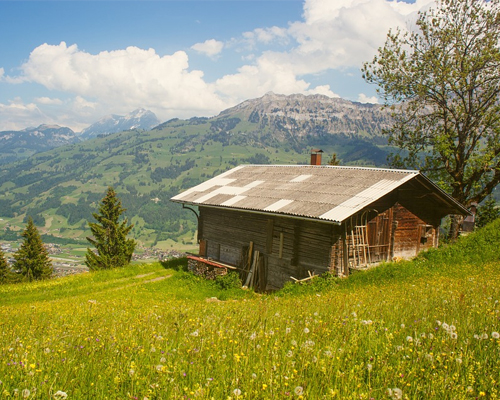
(423, 329)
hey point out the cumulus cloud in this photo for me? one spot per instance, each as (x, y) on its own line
(48, 101)
(122, 80)
(332, 35)
(363, 98)
(15, 111)
(209, 47)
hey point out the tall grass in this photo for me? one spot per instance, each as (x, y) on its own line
(426, 329)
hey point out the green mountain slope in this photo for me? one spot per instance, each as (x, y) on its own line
(60, 188)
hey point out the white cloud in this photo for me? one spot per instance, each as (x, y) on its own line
(48, 101)
(210, 47)
(122, 80)
(16, 115)
(363, 98)
(333, 35)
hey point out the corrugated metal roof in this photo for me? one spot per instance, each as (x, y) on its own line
(329, 193)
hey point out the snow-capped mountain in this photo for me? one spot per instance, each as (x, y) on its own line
(137, 119)
(15, 145)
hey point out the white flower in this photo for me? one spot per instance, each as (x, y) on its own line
(254, 376)
(60, 395)
(495, 335)
(163, 360)
(397, 393)
(237, 392)
(459, 360)
(484, 336)
(290, 353)
(452, 328)
(369, 367)
(306, 330)
(453, 335)
(409, 339)
(403, 326)
(26, 393)
(299, 390)
(438, 322)
(431, 336)
(159, 367)
(131, 372)
(445, 326)
(253, 336)
(288, 330)
(195, 333)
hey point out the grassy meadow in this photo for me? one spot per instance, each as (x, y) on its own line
(425, 329)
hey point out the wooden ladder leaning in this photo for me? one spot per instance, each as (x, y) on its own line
(360, 246)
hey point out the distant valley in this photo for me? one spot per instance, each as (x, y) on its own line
(61, 187)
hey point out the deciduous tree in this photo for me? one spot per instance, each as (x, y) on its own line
(442, 81)
(112, 248)
(32, 258)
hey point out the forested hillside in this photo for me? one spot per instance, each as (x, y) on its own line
(60, 188)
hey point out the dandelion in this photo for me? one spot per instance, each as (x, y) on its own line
(452, 328)
(445, 326)
(131, 372)
(459, 360)
(254, 376)
(195, 333)
(287, 330)
(306, 330)
(159, 367)
(395, 393)
(60, 395)
(495, 335)
(253, 336)
(26, 393)
(354, 314)
(453, 335)
(290, 353)
(409, 339)
(369, 367)
(438, 322)
(403, 326)
(430, 336)
(299, 391)
(484, 336)
(237, 392)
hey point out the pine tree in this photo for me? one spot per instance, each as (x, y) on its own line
(6, 274)
(32, 258)
(112, 248)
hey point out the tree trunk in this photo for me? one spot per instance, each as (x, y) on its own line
(456, 222)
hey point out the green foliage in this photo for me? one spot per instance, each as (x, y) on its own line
(32, 258)
(443, 83)
(6, 274)
(113, 249)
(486, 213)
(229, 281)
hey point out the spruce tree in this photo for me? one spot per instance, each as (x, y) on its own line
(112, 248)
(32, 258)
(6, 274)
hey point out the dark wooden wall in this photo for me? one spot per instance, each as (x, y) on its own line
(291, 247)
(295, 247)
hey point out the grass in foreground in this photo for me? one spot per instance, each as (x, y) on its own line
(422, 329)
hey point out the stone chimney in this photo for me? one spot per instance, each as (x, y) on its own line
(316, 156)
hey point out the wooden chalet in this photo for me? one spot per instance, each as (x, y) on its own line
(275, 223)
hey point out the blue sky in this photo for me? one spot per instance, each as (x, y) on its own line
(72, 62)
